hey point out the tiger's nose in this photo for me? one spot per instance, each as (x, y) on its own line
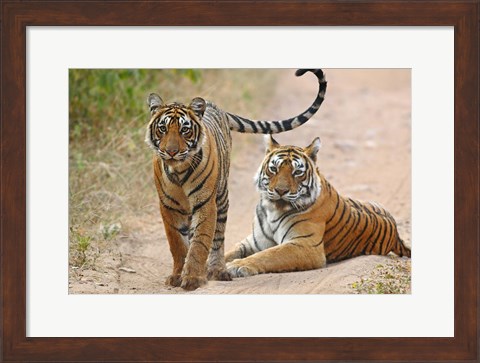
(281, 191)
(171, 152)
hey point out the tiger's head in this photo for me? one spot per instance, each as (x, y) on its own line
(175, 131)
(287, 174)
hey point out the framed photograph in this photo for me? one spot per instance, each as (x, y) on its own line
(85, 255)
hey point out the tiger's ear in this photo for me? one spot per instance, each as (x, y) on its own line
(198, 106)
(154, 103)
(312, 149)
(270, 143)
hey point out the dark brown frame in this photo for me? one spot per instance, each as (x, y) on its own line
(16, 16)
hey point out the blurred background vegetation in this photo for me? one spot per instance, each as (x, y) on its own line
(110, 174)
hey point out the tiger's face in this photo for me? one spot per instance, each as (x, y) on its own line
(175, 131)
(287, 174)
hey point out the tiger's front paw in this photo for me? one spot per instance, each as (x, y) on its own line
(173, 280)
(237, 269)
(218, 274)
(191, 283)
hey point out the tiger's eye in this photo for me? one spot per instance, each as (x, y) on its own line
(184, 130)
(162, 128)
(272, 169)
(298, 172)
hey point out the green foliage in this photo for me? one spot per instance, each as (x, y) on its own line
(195, 75)
(100, 97)
(79, 243)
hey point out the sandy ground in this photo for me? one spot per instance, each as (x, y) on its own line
(364, 125)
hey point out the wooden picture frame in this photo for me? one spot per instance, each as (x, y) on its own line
(17, 16)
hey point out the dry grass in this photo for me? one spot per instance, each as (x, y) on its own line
(394, 277)
(110, 183)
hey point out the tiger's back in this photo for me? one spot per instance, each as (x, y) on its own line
(356, 228)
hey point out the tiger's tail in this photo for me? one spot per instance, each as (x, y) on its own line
(401, 250)
(240, 124)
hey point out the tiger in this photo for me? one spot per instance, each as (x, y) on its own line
(191, 160)
(301, 222)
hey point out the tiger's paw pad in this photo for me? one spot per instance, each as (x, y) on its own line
(173, 280)
(191, 283)
(218, 274)
(241, 271)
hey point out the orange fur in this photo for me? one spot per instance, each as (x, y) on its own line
(302, 222)
(192, 146)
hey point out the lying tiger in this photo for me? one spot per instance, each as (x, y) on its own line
(192, 145)
(301, 222)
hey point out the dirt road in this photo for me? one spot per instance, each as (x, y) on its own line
(364, 125)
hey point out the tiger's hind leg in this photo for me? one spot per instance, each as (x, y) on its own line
(402, 250)
(216, 269)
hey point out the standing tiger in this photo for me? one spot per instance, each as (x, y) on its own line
(191, 163)
(301, 222)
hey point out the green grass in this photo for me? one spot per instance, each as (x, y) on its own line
(110, 172)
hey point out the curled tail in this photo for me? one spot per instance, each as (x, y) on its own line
(240, 124)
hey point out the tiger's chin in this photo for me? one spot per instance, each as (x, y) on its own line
(173, 161)
(285, 204)
(301, 202)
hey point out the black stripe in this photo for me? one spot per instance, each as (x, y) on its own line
(318, 244)
(263, 127)
(216, 248)
(336, 207)
(201, 243)
(347, 243)
(201, 204)
(260, 222)
(268, 127)
(251, 124)
(179, 211)
(339, 220)
(302, 119)
(243, 251)
(382, 240)
(304, 236)
(386, 241)
(256, 243)
(278, 126)
(343, 225)
(222, 220)
(241, 127)
(287, 124)
(376, 235)
(192, 169)
(202, 183)
(204, 168)
(374, 231)
(291, 226)
(170, 198)
(282, 217)
(222, 210)
(353, 246)
(171, 177)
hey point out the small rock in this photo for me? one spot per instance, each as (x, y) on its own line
(127, 269)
